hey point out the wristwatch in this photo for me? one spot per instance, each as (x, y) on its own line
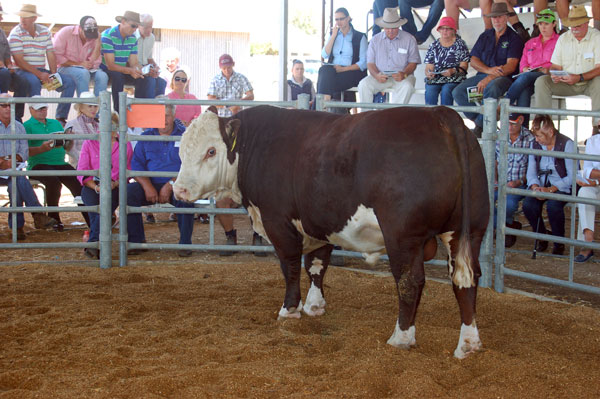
(581, 79)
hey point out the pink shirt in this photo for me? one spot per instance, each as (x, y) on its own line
(538, 54)
(185, 113)
(89, 159)
(68, 46)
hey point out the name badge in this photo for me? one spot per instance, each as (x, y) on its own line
(177, 144)
(588, 56)
(402, 50)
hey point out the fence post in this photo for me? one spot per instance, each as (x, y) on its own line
(319, 102)
(303, 101)
(105, 179)
(500, 257)
(488, 146)
(123, 179)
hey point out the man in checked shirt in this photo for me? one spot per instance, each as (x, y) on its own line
(518, 137)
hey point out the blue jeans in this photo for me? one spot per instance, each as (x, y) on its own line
(519, 93)
(12, 81)
(150, 87)
(118, 81)
(432, 92)
(435, 12)
(135, 225)
(495, 89)
(512, 205)
(532, 208)
(82, 76)
(91, 198)
(35, 88)
(25, 194)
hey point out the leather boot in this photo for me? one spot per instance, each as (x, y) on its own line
(42, 221)
(521, 31)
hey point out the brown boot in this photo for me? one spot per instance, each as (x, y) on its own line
(41, 221)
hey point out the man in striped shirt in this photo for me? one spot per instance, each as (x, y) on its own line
(119, 56)
(30, 45)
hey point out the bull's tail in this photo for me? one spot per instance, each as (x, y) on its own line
(463, 276)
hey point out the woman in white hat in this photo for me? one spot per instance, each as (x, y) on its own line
(85, 123)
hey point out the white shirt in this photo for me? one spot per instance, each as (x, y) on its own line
(592, 147)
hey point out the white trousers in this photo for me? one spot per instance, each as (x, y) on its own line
(587, 213)
(401, 91)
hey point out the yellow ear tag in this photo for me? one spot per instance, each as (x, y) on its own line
(233, 145)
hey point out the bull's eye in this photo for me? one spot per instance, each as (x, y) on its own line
(211, 152)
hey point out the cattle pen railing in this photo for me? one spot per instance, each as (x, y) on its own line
(489, 255)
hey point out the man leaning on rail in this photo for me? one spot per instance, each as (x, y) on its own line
(24, 191)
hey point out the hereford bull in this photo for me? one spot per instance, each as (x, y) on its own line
(378, 182)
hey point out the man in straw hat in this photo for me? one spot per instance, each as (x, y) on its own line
(31, 45)
(392, 57)
(119, 56)
(578, 53)
(495, 56)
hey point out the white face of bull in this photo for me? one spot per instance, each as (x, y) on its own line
(205, 170)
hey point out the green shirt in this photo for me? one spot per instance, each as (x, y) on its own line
(55, 156)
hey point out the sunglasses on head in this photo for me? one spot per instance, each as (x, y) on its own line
(178, 79)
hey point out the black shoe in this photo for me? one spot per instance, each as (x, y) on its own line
(583, 258)
(541, 246)
(558, 249)
(59, 227)
(258, 241)
(150, 218)
(184, 253)
(231, 240)
(477, 131)
(93, 253)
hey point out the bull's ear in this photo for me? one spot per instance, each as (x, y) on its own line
(213, 109)
(231, 138)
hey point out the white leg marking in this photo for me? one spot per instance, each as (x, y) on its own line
(315, 303)
(446, 238)
(316, 267)
(468, 342)
(403, 339)
(292, 313)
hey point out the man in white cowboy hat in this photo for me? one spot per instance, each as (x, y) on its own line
(578, 53)
(392, 57)
(119, 56)
(495, 56)
(31, 45)
(77, 50)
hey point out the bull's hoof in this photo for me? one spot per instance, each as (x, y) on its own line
(291, 313)
(315, 303)
(403, 339)
(468, 342)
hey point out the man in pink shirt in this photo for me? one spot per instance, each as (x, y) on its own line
(77, 49)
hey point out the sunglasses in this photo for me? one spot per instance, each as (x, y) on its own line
(4, 105)
(178, 79)
(134, 26)
(340, 19)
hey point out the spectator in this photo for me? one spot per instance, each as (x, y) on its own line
(298, 84)
(446, 62)
(8, 79)
(549, 175)
(31, 45)
(391, 59)
(589, 180)
(24, 191)
(346, 54)
(158, 156)
(518, 137)
(77, 49)
(185, 113)
(49, 155)
(535, 61)
(435, 12)
(119, 57)
(495, 57)
(577, 52)
(171, 61)
(90, 193)
(229, 85)
(155, 85)
(85, 123)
